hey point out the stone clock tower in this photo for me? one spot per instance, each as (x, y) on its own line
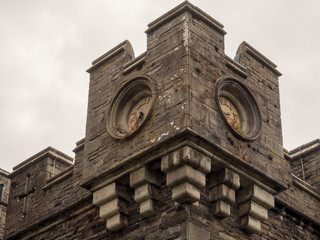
(182, 142)
(184, 131)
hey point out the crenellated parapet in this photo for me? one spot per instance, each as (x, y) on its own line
(186, 121)
(181, 142)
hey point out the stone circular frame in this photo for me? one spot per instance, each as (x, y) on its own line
(246, 107)
(133, 92)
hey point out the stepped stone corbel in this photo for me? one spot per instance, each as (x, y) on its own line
(186, 171)
(254, 203)
(113, 201)
(222, 185)
(146, 183)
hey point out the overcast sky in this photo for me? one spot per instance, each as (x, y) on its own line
(47, 46)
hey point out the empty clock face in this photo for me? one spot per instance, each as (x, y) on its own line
(230, 113)
(139, 112)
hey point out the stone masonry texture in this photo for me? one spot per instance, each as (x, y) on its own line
(183, 174)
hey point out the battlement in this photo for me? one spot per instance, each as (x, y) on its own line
(181, 142)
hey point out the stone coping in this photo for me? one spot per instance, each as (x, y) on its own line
(59, 177)
(134, 63)
(246, 47)
(304, 149)
(306, 187)
(4, 172)
(124, 46)
(47, 152)
(79, 146)
(184, 7)
(235, 66)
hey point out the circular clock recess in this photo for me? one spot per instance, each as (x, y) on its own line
(131, 108)
(239, 110)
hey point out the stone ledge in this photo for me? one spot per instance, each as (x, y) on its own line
(184, 7)
(79, 146)
(185, 137)
(142, 176)
(247, 48)
(186, 174)
(256, 194)
(125, 46)
(68, 172)
(138, 61)
(185, 193)
(110, 192)
(237, 67)
(306, 187)
(47, 152)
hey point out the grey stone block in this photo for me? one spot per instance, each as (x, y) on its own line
(117, 222)
(186, 174)
(253, 209)
(185, 193)
(144, 175)
(250, 224)
(256, 194)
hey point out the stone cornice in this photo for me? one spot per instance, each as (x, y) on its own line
(185, 7)
(306, 187)
(125, 46)
(4, 173)
(134, 63)
(47, 152)
(220, 157)
(59, 177)
(237, 67)
(79, 146)
(304, 149)
(246, 47)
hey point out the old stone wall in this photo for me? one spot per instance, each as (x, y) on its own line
(208, 63)
(183, 174)
(5, 188)
(305, 162)
(46, 195)
(173, 222)
(164, 64)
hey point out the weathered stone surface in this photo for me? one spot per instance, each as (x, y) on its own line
(144, 175)
(117, 222)
(196, 159)
(256, 194)
(223, 192)
(184, 59)
(221, 209)
(225, 176)
(250, 224)
(253, 209)
(195, 232)
(148, 208)
(4, 197)
(104, 194)
(110, 192)
(186, 174)
(146, 191)
(112, 208)
(186, 155)
(185, 193)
